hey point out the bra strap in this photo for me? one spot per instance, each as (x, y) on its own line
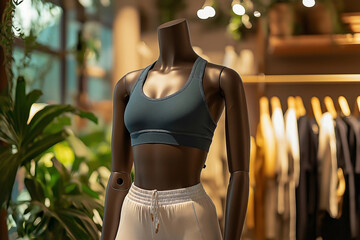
(200, 68)
(143, 74)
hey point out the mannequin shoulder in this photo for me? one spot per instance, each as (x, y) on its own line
(230, 76)
(126, 84)
(222, 73)
(230, 80)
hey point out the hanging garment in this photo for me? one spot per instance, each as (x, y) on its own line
(354, 146)
(354, 141)
(266, 138)
(216, 160)
(292, 139)
(282, 160)
(259, 193)
(307, 189)
(250, 213)
(327, 166)
(344, 227)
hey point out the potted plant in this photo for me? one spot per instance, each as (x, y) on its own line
(24, 141)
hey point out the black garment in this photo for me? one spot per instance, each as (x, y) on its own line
(345, 227)
(354, 141)
(306, 200)
(354, 147)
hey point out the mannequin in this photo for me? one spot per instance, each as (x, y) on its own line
(168, 167)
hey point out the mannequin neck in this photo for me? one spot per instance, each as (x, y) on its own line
(174, 43)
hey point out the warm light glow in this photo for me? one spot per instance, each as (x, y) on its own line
(246, 21)
(257, 14)
(308, 3)
(210, 11)
(202, 14)
(238, 9)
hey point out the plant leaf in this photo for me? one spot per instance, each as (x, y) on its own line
(42, 145)
(20, 101)
(35, 189)
(42, 118)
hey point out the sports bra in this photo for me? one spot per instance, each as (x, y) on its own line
(182, 118)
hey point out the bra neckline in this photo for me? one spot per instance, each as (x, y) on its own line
(188, 81)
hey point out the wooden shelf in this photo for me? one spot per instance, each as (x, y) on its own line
(323, 78)
(314, 44)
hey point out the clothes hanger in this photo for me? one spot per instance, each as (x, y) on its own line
(330, 106)
(291, 102)
(275, 103)
(264, 106)
(357, 107)
(344, 106)
(299, 107)
(316, 107)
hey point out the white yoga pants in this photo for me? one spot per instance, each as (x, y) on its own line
(179, 214)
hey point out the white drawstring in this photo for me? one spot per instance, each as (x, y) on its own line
(154, 210)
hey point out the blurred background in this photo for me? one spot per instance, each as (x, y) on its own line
(74, 52)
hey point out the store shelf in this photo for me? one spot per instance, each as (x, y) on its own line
(314, 44)
(323, 78)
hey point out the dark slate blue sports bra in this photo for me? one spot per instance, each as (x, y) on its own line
(181, 118)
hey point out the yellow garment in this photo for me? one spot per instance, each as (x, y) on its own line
(215, 177)
(265, 175)
(250, 214)
(260, 186)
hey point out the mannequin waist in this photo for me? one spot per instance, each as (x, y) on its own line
(166, 167)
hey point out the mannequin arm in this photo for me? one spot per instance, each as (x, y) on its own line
(119, 181)
(236, 205)
(238, 152)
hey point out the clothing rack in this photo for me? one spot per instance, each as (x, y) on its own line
(320, 78)
(305, 86)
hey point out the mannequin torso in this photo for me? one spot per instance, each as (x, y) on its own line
(163, 166)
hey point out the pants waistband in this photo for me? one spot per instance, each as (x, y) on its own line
(166, 197)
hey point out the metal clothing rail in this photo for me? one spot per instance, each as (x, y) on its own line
(288, 79)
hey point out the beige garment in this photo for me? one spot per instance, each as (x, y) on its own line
(266, 138)
(293, 148)
(215, 176)
(281, 157)
(259, 193)
(250, 213)
(179, 214)
(327, 166)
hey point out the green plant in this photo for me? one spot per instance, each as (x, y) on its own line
(25, 141)
(7, 38)
(61, 207)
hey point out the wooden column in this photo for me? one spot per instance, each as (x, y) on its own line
(126, 37)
